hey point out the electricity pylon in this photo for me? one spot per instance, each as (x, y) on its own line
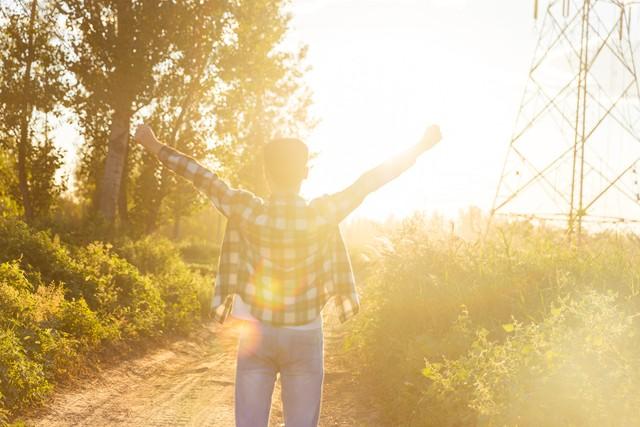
(575, 151)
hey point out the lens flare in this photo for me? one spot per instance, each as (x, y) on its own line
(248, 335)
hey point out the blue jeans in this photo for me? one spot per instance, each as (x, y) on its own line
(263, 352)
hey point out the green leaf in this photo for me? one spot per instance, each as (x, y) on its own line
(428, 372)
(508, 327)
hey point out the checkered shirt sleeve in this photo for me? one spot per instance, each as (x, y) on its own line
(227, 200)
(336, 207)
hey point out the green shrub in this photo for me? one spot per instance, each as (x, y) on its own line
(60, 305)
(185, 293)
(22, 381)
(426, 296)
(33, 317)
(43, 258)
(199, 252)
(151, 255)
(78, 321)
(121, 294)
(16, 299)
(576, 367)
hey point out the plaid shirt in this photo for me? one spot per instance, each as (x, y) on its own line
(285, 257)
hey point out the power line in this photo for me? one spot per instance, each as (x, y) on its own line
(564, 176)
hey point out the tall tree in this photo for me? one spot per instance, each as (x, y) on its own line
(235, 97)
(8, 186)
(32, 88)
(185, 91)
(265, 94)
(214, 72)
(120, 46)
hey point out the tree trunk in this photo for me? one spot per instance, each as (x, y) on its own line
(161, 191)
(22, 170)
(114, 167)
(115, 162)
(23, 143)
(176, 226)
(123, 209)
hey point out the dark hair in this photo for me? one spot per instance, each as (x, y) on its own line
(285, 161)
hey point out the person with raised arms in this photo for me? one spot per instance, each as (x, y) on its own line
(282, 259)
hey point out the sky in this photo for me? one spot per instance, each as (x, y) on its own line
(383, 70)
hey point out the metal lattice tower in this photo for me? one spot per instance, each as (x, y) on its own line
(575, 152)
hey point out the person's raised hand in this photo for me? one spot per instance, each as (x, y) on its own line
(430, 138)
(145, 137)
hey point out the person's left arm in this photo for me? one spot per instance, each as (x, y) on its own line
(345, 201)
(217, 190)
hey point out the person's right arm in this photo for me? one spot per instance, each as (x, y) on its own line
(348, 199)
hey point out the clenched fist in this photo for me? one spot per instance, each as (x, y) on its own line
(145, 137)
(430, 138)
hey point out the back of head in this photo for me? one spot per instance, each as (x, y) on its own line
(285, 162)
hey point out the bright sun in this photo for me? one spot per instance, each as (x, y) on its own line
(383, 72)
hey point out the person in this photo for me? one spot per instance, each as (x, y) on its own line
(282, 259)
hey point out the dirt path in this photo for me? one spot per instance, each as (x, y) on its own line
(190, 383)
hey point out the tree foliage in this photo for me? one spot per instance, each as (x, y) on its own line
(212, 77)
(32, 91)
